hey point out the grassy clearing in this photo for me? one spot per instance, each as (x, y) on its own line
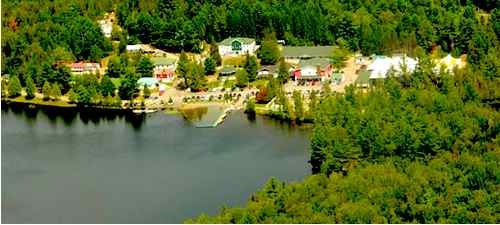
(38, 101)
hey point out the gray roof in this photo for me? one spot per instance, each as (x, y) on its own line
(242, 40)
(228, 70)
(364, 77)
(322, 62)
(270, 68)
(308, 51)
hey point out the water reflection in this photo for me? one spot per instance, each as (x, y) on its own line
(68, 115)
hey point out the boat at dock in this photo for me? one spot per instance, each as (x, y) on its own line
(139, 111)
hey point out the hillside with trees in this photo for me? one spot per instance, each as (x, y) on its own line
(422, 148)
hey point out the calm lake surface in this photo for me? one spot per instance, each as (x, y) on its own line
(93, 167)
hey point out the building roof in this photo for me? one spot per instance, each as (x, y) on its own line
(307, 51)
(242, 40)
(162, 61)
(228, 70)
(148, 81)
(382, 65)
(270, 68)
(364, 77)
(314, 62)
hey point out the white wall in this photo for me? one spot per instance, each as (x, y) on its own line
(226, 50)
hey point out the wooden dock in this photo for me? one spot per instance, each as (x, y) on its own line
(216, 122)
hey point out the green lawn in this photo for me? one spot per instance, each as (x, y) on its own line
(229, 83)
(213, 84)
(259, 82)
(38, 101)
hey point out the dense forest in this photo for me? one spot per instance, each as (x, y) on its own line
(421, 148)
(416, 150)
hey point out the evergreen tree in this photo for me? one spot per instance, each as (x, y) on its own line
(214, 53)
(251, 67)
(14, 87)
(241, 78)
(107, 87)
(46, 91)
(182, 68)
(72, 96)
(56, 91)
(128, 86)
(30, 88)
(299, 105)
(114, 68)
(210, 66)
(269, 50)
(283, 74)
(250, 106)
(84, 97)
(145, 67)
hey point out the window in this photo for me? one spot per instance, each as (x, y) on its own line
(236, 45)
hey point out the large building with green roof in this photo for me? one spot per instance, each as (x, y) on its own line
(237, 46)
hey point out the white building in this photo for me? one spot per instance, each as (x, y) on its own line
(237, 46)
(382, 65)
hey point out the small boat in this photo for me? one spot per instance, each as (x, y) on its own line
(139, 111)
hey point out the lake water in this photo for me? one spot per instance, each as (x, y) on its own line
(61, 166)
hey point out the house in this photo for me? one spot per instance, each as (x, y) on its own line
(448, 63)
(149, 82)
(141, 48)
(382, 65)
(267, 71)
(293, 54)
(237, 46)
(315, 69)
(164, 70)
(80, 68)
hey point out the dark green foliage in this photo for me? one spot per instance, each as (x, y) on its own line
(84, 96)
(210, 66)
(283, 74)
(214, 54)
(114, 67)
(298, 103)
(128, 86)
(30, 88)
(241, 78)
(72, 96)
(447, 189)
(146, 92)
(195, 77)
(107, 87)
(339, 57)
(182, 68)
(250, 106)
(269, 51)
(251, 67)
(14, 87)
(145, 67)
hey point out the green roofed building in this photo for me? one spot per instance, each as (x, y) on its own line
(237, 46)
(163, 61)
(306, 52)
